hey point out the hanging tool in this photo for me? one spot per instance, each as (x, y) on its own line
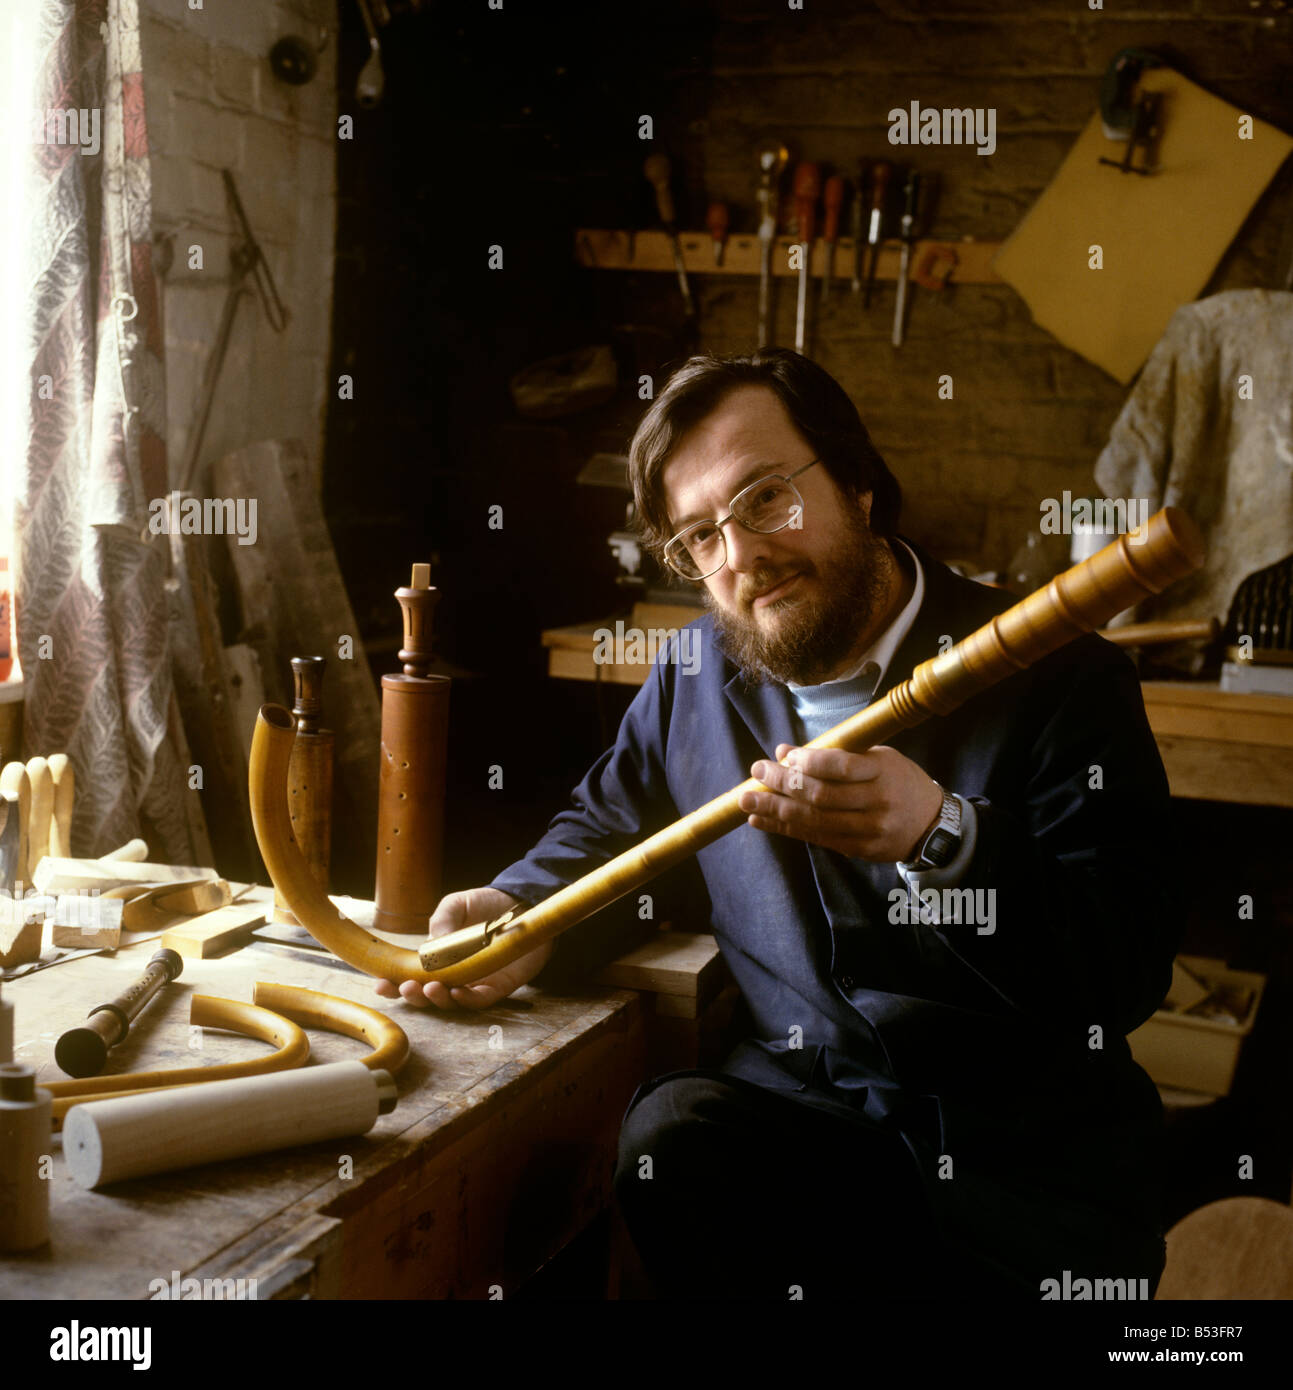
(1143, 137)
(880, 172)
(772, 163)
(368, 90)
(83, 1051)
(716, 220)
(245, 259)
(907, 232)
(808, 186)
(832, 203)
(857, 223)
(658, 169)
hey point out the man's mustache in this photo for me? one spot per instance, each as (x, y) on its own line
(761, 580)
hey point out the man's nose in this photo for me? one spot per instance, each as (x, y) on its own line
(746, 549)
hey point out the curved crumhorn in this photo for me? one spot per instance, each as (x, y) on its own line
(1160, 551)
(271, 748)
(205, 1011)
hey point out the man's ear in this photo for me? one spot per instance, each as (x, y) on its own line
(864, 500)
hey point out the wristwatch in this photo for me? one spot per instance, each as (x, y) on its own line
(938, 846)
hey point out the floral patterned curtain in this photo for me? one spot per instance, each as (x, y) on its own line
(91, 605)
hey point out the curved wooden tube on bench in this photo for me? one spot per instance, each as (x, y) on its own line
(206, 1011)
(312, 1009)
(1162, 550)
(271, 751)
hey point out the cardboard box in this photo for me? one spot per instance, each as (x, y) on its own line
(1194, 1053)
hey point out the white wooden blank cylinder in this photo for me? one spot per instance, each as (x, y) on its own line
(109, 1141)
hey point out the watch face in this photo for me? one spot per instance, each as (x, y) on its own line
(940, 848)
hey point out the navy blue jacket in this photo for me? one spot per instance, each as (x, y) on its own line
(1003, 1052)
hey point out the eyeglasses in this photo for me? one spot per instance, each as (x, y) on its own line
(700, 549)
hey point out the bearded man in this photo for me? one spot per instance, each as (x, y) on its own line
(931, 1103)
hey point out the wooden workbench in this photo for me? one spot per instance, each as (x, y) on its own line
(500, 1149)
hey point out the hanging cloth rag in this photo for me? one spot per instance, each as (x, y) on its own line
(1208, 428)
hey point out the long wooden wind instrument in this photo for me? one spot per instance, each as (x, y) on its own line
(1162, 550)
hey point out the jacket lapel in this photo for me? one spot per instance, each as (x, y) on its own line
(765, 710)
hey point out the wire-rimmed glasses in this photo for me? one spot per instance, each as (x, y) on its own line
(699, 550)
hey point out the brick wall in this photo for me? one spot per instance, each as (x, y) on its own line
(213, 103)
(1029, 417)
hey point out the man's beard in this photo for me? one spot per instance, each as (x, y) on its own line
(812, 638)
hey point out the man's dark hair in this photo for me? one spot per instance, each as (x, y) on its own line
(818, 407)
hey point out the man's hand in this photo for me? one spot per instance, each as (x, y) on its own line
(454, 912)
(874, 805)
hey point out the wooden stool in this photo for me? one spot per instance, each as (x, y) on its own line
(1241, 1247)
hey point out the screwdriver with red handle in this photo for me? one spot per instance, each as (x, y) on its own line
(833, 203)
(807, 188)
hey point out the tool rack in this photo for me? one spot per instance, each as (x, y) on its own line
(619, 249)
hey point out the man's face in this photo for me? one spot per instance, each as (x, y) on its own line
(791, 605)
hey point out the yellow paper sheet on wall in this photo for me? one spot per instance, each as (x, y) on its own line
(1161, 236)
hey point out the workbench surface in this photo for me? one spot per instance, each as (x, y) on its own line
(499, 1150)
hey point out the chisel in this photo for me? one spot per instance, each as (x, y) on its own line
(911, 201)
(832, 203)
(880, 172)
(657, 169)
(772, 163)
(808, 185)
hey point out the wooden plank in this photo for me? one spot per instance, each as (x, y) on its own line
(304, 611)
(214, 932)
(613, 249)
(248, 690)
(1212, 770)
(204, 687)
(194, 815)
(81, 875)
(671, 962)
(1226, 716)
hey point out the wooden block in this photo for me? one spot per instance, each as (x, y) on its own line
(60, 829)
(216, 931)
(16, 782)
(195, 897)
(42, 814)
(19, 939)
(85, 921)
(141, 913)
(686, 963)
(80, 875)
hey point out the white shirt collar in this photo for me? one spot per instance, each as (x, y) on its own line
(881, 651)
